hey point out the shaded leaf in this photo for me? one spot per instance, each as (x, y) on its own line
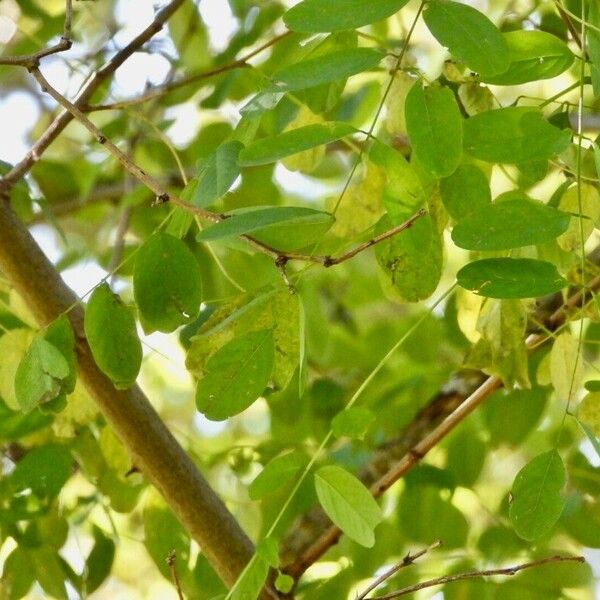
(588, 412)
(167, 283)
(352, 422)
(467, 190)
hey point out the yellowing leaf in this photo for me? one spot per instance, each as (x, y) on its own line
(395, 121)
(475, 98)
(80, 410)
(566, 370)
(589, 411)
(590, 209)
(13, 346)
(308, 160)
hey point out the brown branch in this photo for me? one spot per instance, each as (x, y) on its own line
(94, 83)
(150, 444)
(507, 571)
(407, 561)
(433, 436)
(65, 43)
(171, 560)
(162, 90)
(280, 257)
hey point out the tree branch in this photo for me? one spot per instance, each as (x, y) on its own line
(508, 571)
(407, 561)
(65, 43)
(96, 80)
(433, 436)
(162, 90)
(152, 447)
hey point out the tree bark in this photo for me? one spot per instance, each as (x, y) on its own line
(153, 448)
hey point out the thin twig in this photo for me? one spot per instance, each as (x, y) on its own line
(508, 571)
(95, 81)
(171, 559)
(65, 43)
(162, 90)
(407, 561)
(162, 196)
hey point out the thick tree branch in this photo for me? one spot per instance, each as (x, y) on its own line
(84, 97)
(152, 447)
(507, 572)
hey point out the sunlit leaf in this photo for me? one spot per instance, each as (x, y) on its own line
(537, 502)
(566, 366)
(348, 504)
(276, 473)
(588, 412)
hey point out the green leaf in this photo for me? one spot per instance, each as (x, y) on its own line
(99, 561)
(44, 470)
(513, 135)
(536, 496)
(352, 422)
(326, 68)
(40, 374)
(592, 385)
(434, 125)
(276, 473)
(412, 260)
(348, 503)
(248, 220)
(313, 16)
(510, 278)
(593, 45)
(469, 35)
(284, 583)
(17, 575)
(112, 336)
(236, 375)
(13, 347)
(465, 191)
(60, 334)
(167, 283)
(588, 412)
(508, 224)
(272, 149)
(534, 55)
(566, 366)
(251, 581)
(594, 440)
(217, 173)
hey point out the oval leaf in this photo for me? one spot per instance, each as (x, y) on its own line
(508, 224)
(352, 422)
(588, 412)
(272, 149)
(566, 367)
(40, 374)
(313, 16)
(536, 496)
(510, 278)
(434, 126)
(254, 219)
(236, 375)
(111, 333)
(533, 55)
(166, 283)
(348, 503)
(469, 36)
(513, 135)
(275, 474)
(326, 68)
